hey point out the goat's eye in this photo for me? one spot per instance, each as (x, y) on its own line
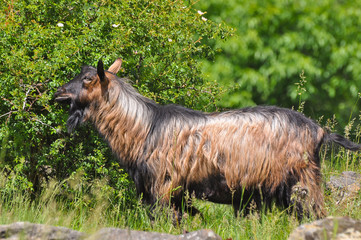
(87, 80)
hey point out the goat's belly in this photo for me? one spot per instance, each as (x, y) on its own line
(214, 189)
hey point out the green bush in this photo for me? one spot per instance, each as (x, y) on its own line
(44, 43)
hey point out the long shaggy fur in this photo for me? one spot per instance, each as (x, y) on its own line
(265, 154)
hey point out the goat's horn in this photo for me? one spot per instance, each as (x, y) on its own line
(115, 67)
(100, 71)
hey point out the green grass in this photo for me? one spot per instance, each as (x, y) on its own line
(49, 210)
(88, 211)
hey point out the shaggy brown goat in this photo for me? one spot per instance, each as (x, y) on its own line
(264, 154)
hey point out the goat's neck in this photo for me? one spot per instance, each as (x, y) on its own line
(125, 126)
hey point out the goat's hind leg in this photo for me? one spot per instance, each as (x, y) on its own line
(307, 196)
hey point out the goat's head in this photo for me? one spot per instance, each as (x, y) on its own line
(88, 86)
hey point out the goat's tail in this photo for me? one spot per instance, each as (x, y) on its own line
(336, 138)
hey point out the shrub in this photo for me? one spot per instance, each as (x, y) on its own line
(44, 43)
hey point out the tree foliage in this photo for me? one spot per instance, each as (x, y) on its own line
(44, 43)
(276, 40)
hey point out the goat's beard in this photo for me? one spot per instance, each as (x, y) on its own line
(76, 116)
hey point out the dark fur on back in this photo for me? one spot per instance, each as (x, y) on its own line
(261, 154)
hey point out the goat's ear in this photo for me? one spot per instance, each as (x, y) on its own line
(116, 66)
(100, 70)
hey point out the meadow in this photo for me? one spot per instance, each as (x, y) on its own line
(206, 55)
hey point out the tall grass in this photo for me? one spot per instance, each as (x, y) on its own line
(90, 211)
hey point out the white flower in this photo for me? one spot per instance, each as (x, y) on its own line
(115, 25)
(170, 40)
(60, 25)
(204, 19)
(200, 12)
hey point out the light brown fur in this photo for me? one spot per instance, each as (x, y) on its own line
(260, 153)
(264, 156)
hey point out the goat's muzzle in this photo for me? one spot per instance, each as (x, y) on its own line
(61, 96)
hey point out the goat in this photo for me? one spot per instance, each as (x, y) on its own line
(264, 153)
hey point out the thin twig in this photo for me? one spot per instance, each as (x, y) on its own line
(26, 96)
(6, 114)
(35, 119)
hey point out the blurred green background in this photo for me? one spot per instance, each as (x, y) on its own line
(276, 40)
